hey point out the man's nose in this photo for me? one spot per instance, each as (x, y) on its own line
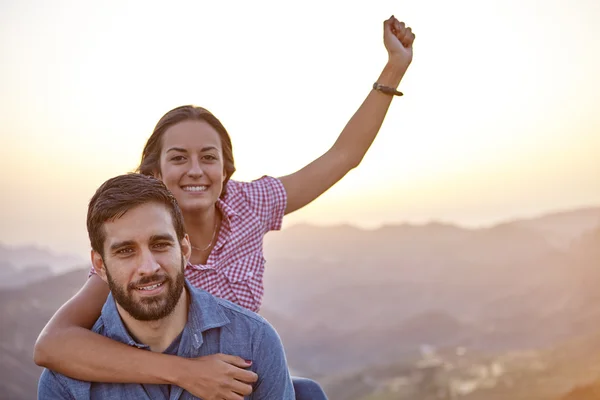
(148, 264)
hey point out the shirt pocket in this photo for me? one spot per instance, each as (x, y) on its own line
(245, 278)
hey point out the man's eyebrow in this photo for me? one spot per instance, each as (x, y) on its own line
(166, 237)
(118, 245)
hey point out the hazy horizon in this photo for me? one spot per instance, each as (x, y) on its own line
(498, 120)
(84, 253)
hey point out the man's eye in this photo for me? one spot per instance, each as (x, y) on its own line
(125, 251)
(161, 245)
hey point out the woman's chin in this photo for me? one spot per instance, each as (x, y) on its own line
(198, 205)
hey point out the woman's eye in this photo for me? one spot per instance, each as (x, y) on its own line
(178, 158)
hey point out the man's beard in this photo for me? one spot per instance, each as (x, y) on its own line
(151, 308)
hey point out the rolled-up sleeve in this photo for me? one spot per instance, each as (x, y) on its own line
(268, 199)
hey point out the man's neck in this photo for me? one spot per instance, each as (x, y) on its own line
(158, 335)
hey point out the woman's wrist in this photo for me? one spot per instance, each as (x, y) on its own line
(173, 370)
(392, 73)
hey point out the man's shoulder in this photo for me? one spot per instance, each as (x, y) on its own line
(55, 385)
(248, 324)
(235, 313)
(238, 312)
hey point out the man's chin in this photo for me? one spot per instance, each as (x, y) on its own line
(148, 312)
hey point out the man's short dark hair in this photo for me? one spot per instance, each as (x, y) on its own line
(118, 195)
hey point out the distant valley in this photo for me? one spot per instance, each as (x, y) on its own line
(356, 308)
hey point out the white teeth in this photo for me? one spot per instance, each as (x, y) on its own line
(150, 287)
(195, 188)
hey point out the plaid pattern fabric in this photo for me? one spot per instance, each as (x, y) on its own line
(235, 267)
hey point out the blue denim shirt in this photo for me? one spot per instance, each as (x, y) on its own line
(214, 326)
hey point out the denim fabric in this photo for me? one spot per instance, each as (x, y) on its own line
(214, 326)
(307, 389)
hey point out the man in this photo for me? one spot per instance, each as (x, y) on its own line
(139, 247)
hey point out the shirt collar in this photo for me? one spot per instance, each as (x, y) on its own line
(204, 313)
(230, 219)
(226, 210)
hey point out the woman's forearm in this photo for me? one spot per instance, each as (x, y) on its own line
(82, 354)
(361, 130)
(68, 346)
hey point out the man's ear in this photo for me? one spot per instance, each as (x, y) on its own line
(98, 264)
(186, 248)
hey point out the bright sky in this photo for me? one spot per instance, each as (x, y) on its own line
(499, 117)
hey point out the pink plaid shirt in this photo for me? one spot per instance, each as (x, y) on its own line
(235, 267)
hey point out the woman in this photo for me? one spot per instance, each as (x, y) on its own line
(191, 152)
